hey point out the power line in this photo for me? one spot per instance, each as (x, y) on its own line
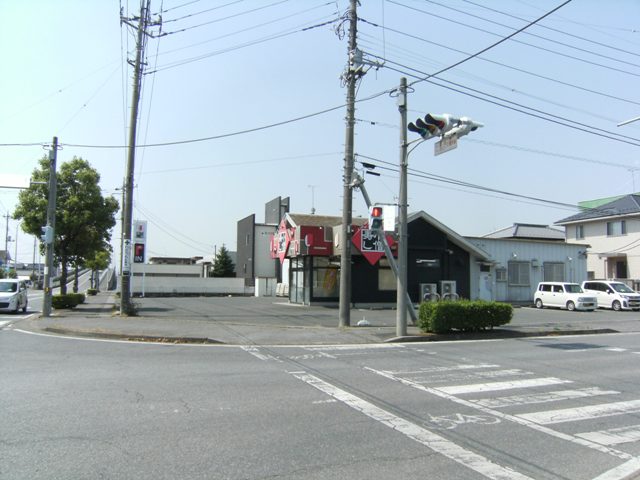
(252, 27)
(519, 107)
(197, 13)
(258, 41)
(557, 30)
(532, 34)
(235, 15)
(511, 67)
(520, 41)
(430, 176)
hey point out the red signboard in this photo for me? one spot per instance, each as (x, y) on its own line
(370, 243)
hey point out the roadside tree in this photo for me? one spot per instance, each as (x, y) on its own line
(84, 217)
(223, 265)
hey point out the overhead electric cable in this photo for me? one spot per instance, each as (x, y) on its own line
(226, 18)
(555, 42)
(198, 13)
(534, 112)
(286, 33)
(563, 32)
(520, 41)
(537, 75)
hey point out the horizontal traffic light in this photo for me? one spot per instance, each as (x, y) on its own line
(433, 125)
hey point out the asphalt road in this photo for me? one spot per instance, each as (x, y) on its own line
(537, 408)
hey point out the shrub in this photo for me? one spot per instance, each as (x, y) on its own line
(69, 300)
(92, 291)
(463, 315)
(78, 298)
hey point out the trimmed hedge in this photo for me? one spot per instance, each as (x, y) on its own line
(69, 300)
(463, 315)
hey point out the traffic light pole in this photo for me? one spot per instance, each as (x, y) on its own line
(51, 222)
(401, 313)
(358, 182)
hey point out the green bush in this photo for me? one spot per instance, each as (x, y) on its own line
(463, 315)
(92, 291)
(78, 298)
(69, 300)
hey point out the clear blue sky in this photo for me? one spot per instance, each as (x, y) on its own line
(228, 66)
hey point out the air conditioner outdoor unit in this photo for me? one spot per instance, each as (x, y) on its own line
(428, 291)
(447, 287)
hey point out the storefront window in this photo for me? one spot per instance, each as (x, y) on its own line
(326, 279)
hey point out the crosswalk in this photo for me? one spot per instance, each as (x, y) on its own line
(525, 391)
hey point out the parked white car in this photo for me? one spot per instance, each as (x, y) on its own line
(13, 295)
(615, 295)
(564, 295)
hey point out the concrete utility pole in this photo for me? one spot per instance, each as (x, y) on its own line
(351, 76)
(6, 242)
(125, 274)
(401, 313)
(51, 223)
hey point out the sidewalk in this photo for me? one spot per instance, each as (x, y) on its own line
(250, 321)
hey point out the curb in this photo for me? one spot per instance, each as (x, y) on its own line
(132, 337)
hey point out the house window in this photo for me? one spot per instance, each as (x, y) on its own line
(579, 232)
(616, 228)
(553, 271)
(519, 274)
(501, 274)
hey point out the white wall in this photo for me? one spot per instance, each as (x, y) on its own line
(189, 286)
(501, 251)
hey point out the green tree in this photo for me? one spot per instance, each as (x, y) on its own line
(84, 217)
(223, 265)
(99, 261)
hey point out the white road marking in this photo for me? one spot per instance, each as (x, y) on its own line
(616, 349)
(4, 323)
(505, 416)
(255, 351)
(582, 413)
(559, 395)
(421, 435)
(614, 436)
(495, 386)
(621, 472)
(444, 369)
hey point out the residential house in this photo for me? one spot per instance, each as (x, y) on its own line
(612, 229)
(522, 255)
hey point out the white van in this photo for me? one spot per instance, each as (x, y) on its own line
(564, 295)
(615, 295)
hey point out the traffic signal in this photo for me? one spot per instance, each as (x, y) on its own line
(464, 126)
(444, 124)
(375, 217)
(47, 235)
(433, 125)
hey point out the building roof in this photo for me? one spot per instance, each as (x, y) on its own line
(528, 231)
(622, 206)
(451, 235)
(308, 220)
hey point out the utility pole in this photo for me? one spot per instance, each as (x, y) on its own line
(351, 77)
(127, 212)
(401, 313)
(6, 242)
(51, 223)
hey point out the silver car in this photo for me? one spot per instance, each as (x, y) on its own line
(13, 295)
